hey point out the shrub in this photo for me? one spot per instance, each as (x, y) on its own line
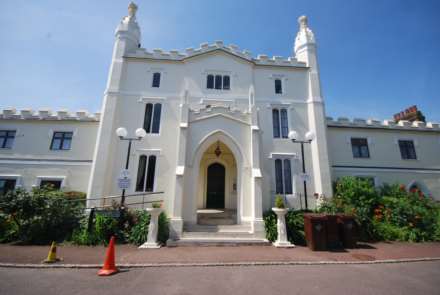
(294, 224)
(389, 213)
(139, 232)
(38, 217)
(279, 202)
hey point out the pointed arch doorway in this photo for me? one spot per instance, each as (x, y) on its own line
(217, 186)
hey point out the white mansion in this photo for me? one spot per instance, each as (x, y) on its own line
(217, 123)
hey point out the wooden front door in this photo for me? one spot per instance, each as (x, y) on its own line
(215, 191)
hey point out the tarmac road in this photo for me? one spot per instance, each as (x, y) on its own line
(397, 278)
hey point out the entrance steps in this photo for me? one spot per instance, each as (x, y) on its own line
(216, 216)
(218, 235)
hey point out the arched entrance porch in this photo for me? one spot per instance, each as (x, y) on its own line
(217, 186)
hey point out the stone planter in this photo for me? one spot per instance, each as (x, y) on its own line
(153, 229)
(281, 241)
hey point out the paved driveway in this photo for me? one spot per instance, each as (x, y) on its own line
(399, 278)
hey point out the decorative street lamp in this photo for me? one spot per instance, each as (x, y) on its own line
(121, 132)
(309, 136)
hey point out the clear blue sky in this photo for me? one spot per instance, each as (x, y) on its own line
(376, 57)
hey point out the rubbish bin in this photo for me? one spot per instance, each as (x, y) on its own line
(316, 231)
(333, 240)
(348, 230)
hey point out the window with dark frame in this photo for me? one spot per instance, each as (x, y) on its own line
(156, 80)
(359, 147)
(52, 183)
(407, 150)
(7, 138)
(283, 177)
(152, 117)
(146, 172)
(218, 82)
(7, 185)
(278, 86)
(61, 141)
(280, 123)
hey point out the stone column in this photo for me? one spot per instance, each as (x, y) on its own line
(153, 229)
(282, 241)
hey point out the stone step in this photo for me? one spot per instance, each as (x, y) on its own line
(218, 241)
(217, 228)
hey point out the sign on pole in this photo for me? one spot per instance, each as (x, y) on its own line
(304, 177)
(124, 179)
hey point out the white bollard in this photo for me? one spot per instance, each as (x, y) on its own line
(281, 241)
(153, 229)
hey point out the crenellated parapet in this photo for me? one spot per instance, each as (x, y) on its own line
(385, 124)
(176, 55)
(49, 115)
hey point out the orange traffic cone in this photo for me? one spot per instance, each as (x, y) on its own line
(52, 256)
(109, 267)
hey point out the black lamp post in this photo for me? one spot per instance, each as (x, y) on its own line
(121, 132)
(309, 136)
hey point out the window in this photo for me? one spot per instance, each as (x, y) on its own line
(226, 83)
(283, 177)
(61, 140)
(278, 86)
(6, 185)
(359, 147)
(280, 123)
(218, 82)
(146, 172)
(52, 183)
(152, 117)
(6, 138)
(156, 80)
(210, 82)
(407, 149)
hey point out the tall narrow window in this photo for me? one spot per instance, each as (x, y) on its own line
(210, 82)
(140, 181)
(407, 149)
(146, 173)
(218, 82)
(61, 141)
(156, 118)
(284, 124)
(359, 147)
(279, 176)
(6, 138)
(156, 80)
(287, 177)
(152, 117)
(148, 116)
(226, 83)
(150, 173)
(278, 86)
(276, 123)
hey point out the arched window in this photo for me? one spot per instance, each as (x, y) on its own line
(152, 117)
(276, 123)
(156, 80)
(278, 86)
(226, 83)
(210, 82)
(146, 172)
